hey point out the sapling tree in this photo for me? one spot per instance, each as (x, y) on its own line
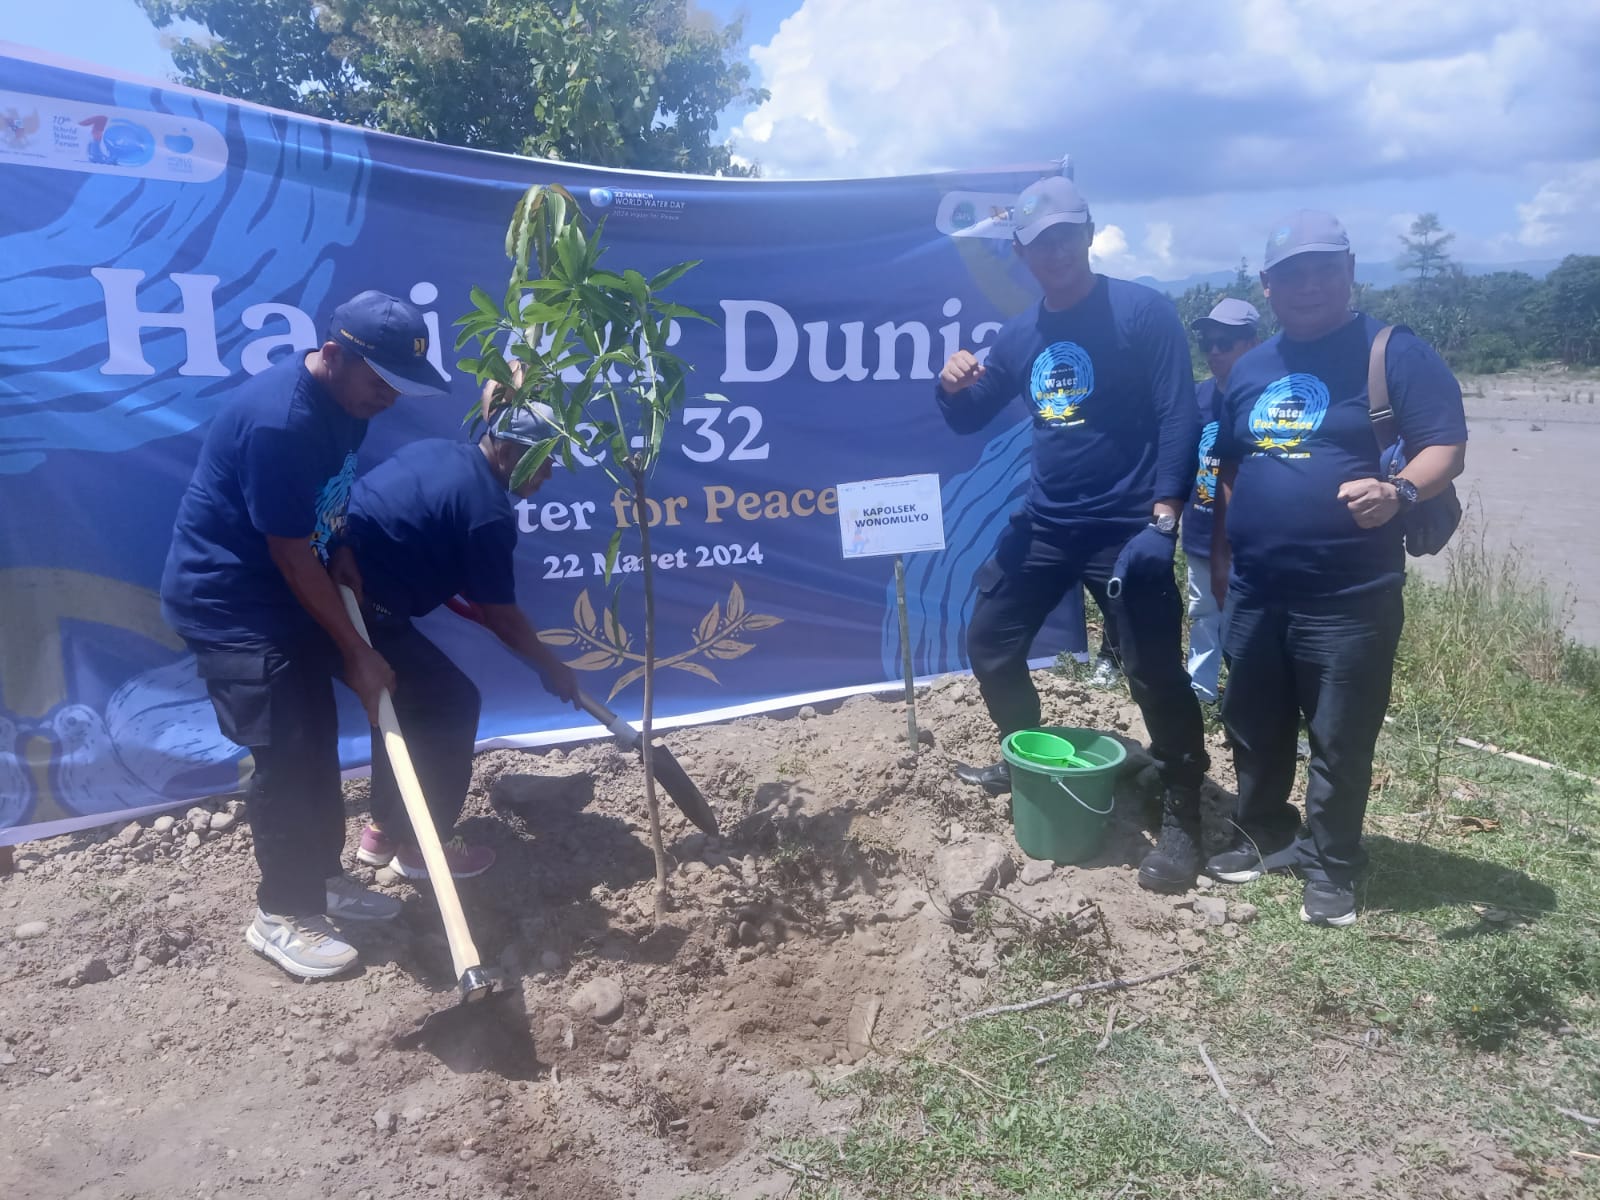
(589, 343)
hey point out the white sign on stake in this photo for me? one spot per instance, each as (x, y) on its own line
(902, 515)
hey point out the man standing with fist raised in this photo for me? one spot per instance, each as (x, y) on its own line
(1103, 366)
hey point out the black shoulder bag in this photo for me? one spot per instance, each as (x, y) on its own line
(1428, 524)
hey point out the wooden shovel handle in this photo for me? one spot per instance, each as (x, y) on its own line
(463, 952)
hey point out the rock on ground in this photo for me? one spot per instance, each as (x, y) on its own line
(600, 998)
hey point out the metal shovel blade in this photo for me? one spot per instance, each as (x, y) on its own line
(486, 1030)
(677, 784)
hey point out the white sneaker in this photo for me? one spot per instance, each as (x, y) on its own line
(306, 947)
(349, 901)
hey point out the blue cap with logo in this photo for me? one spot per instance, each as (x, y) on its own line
(1052, 201)
(1305, 232)
(1229, 311)
(527, 425)
(393, 339)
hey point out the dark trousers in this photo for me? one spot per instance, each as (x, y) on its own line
(437, 707)
(1032, 569)
(1331, 659)
(276, 698)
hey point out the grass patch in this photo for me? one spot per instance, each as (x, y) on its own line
(1485, 655)
(1424, 1052)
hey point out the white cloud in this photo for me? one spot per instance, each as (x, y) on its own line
(1164, 98)
(1563, 209)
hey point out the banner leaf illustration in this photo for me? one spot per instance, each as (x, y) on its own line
(708, 624)
(595, 660)
(583, 614)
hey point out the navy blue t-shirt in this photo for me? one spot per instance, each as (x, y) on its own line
(1110, 387)
(1297, 421)
(1198, 513)
(431, 521)
(277, 462)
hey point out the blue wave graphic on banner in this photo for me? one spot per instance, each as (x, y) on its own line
(939, 587)
(293, 192)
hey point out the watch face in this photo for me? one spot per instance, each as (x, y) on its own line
(1166, 523)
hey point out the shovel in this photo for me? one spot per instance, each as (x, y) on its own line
(477, 984)
(669, 772)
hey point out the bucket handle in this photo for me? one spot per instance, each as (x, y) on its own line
(1099, 812)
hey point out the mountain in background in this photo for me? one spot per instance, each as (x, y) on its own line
(1381, 274)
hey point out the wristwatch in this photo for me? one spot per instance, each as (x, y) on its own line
(1405, 490)
(1166, 522)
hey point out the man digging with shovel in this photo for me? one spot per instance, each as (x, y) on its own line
(432, 521)
(246, 588)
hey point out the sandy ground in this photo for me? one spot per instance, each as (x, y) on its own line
(146, 1052)
(1534, 440)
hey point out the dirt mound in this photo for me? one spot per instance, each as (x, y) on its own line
(146, 1051)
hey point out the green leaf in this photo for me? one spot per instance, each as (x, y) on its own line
(672, 274)
(680, 312)
(715, 397)
(531, 462)
(611, 552)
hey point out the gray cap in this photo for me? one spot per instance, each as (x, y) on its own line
(1305, 232)
(527, 426)
(1052, 201)
(1237, 313)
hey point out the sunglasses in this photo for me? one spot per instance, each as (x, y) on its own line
(1215, 344)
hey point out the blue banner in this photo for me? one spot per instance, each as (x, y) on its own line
(158, 245)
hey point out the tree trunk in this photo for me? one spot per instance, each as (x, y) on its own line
(641, 517)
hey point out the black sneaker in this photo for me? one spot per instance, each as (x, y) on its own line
(1251, 855)
(1328, 904)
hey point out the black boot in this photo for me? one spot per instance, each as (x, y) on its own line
(994, 779)
(1174, 863)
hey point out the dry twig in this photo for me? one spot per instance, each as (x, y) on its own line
(1082, 989)
(1591, 1122)
(1111, 1026)
(1222, 1089)
(795, 1168)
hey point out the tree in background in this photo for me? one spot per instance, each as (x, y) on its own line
(1427, 254)
(1568, 311)
(621, 83)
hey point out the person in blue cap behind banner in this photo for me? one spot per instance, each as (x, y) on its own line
(247, 588)
(1103, 367)
(1309, 556)
(1223, 335)
(432, 521)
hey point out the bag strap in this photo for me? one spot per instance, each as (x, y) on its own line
(1384, 425)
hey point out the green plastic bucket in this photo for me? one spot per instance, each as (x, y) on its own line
(1059, 813)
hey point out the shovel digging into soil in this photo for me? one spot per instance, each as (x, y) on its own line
(488, 1026)
(669, 772)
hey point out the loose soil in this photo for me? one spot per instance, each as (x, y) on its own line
(145, 1051)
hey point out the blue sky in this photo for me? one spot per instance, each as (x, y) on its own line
(1192, 127)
